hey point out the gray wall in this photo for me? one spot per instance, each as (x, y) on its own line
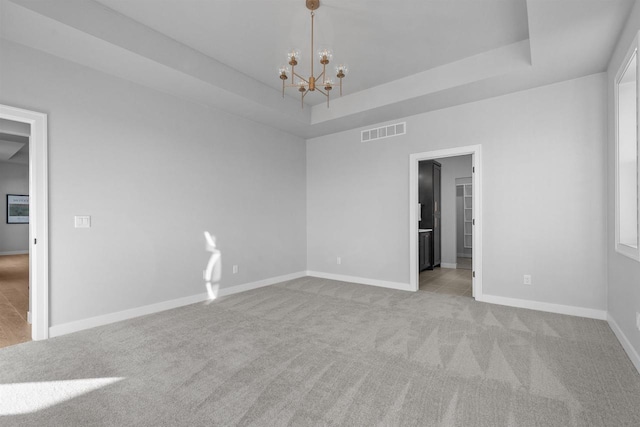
(623, 272)
(452, 168)
(543, 193)
(14, 179)
(154, 172)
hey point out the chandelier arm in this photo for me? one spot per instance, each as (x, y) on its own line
(326, 94)
(322, 74)
(301, 78)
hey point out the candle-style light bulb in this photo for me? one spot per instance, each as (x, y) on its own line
(294, 56)
(341, 71)
(325, 56)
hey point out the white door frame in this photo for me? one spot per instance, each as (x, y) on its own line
(476, 155)
(38, 217)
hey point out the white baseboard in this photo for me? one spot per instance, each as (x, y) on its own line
(626, 344)
(362, 281)
(260, 283)
(105, 319)
(571, 310)
(14, 253)
(448, 265)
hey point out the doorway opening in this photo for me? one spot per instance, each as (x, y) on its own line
(445, 225)
(452, 168)
(15, 325)
(38, 235)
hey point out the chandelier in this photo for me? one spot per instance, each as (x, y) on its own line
(322, 83)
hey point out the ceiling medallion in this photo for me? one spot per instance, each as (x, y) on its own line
(322, 83)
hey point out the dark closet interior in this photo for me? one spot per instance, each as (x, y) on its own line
(429, 190)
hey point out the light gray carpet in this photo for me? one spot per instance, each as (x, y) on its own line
(320, 352)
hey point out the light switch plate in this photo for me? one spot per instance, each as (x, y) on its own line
(83, 221)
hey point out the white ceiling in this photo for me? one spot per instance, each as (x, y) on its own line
(405, 56)
(382, 41)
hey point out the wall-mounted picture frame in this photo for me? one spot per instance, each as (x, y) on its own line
(17, 209)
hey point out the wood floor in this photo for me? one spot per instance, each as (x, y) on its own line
(449, 281)
(14, 299)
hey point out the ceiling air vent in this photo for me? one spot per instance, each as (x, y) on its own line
(383, 132)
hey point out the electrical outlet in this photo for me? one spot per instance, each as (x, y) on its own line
(338, 260)
(527, 279)
(638, 321)
(235, 269)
